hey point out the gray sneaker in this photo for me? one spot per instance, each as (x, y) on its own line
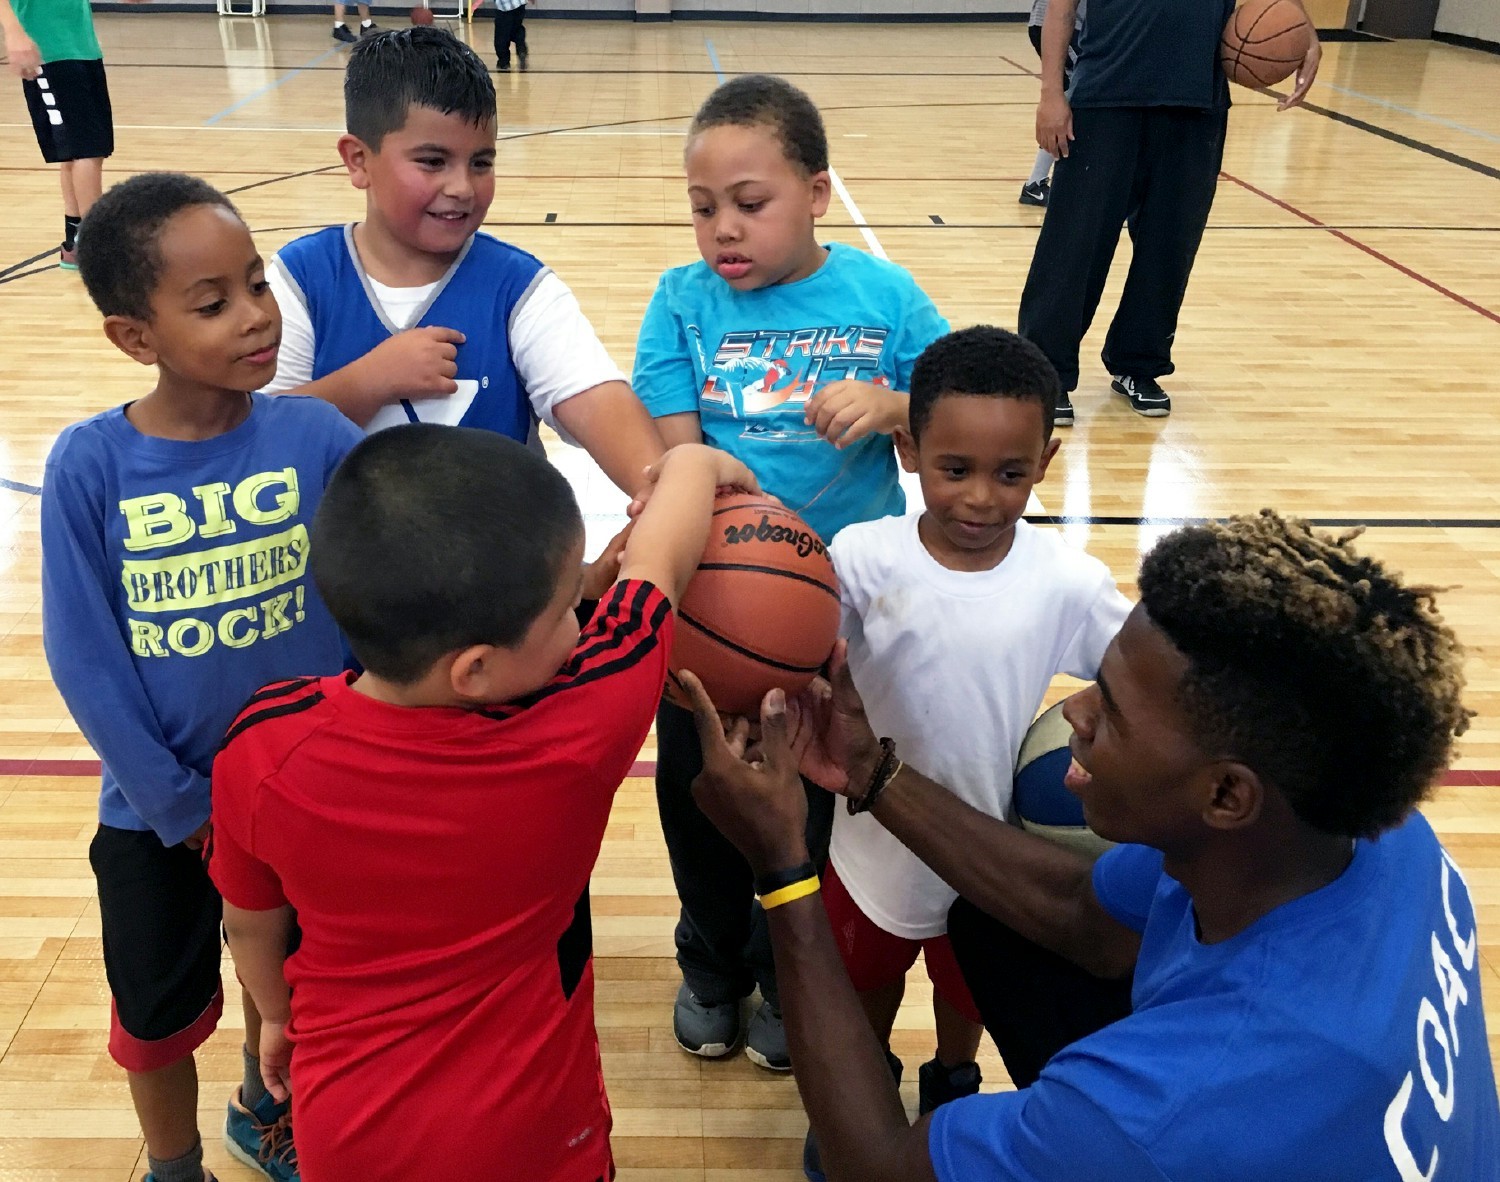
(711, 1031)
(765, 1040)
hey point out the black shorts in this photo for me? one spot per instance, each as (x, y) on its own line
(70, 111)
(161, 917)
(1035, 33)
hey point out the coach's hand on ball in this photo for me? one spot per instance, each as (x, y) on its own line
(751, 786)
(751, 791)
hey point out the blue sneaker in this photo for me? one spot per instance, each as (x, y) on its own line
(261, 1137)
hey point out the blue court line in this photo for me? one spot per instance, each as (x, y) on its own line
(270, 86)
(713, 57)
(1484, 135)
(16, 486)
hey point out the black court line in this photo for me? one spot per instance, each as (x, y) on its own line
(36, 258)
(614, 70)
(33, 271)
(1396, 137)
(1321, 522)
(18, 486)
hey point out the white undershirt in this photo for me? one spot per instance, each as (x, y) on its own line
(556, 351)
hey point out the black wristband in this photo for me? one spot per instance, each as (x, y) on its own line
(777, 879)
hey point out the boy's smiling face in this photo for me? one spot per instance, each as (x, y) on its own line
(430, 183)
(753, 209)
(978, 458)
(214, 321)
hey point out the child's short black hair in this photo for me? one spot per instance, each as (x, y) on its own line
(759, 100)
(1311, 664)
(985, 361)
(394, 71)
(431, 538)
(118, 258)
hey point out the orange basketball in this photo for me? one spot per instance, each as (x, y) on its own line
(421, 15)
(763, 609)
(1265, 41)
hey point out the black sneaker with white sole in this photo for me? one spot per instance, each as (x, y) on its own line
(1145, 395)
(1037, 193)
(342, 33)
(1062, 412)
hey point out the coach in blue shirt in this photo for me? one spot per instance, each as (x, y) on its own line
(1306, 999)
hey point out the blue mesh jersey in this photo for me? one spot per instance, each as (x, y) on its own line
(748, 361)
(1341, 1036)
(479, 297)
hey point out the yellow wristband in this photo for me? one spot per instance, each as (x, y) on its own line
(789, 894)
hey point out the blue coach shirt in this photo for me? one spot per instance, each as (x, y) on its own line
(1340, 1037)
(748, 361)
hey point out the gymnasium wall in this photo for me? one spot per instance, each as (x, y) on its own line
(1479, 19)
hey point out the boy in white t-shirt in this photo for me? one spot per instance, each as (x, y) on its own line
(957, 618)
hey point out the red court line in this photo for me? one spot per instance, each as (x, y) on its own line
(1369, 250)
(1467, 778)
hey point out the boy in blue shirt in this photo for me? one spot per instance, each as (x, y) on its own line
(1306, 997)
(793, 357)
(413, 315)
(174, 584)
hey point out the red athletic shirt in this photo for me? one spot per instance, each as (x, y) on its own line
(438, 858)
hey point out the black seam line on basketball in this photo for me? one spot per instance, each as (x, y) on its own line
(1395, 137)
(1321, 522)
(770, 570)
(760, 658)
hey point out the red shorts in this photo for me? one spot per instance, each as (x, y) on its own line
(874, 958)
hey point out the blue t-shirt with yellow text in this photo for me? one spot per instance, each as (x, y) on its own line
(175, 584)
(749, 361)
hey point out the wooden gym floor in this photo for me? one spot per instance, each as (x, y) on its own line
(1336, 360)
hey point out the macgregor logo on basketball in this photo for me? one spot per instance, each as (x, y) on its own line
(805, 540)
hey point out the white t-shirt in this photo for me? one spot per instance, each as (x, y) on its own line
(556, 351)
(953, 666)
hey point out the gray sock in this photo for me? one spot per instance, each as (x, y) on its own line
(1042, 168)
(253, 1087)
(187, 1168)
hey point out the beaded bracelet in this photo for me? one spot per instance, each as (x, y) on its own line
(885, 771)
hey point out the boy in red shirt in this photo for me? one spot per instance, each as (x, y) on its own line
(434, 820)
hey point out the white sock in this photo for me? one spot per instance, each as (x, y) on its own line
(338, 24)
(1042, 167)
(366, 23)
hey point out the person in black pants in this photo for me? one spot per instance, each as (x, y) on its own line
(1140, 133)
(510, 29)
(723, 944)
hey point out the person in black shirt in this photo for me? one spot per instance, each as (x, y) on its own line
(1140, 133)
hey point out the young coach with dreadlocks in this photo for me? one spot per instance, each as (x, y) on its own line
(1306, 1001)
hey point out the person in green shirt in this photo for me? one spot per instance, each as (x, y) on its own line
(53, 50)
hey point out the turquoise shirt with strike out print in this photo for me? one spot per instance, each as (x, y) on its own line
(749, 361)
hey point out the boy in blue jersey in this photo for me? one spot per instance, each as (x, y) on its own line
(794, 357)
(1306, 997)
(175, 584)
(412, 315)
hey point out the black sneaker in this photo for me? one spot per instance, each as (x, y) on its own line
(1036, 194)
(503, 67)
(342, 33)
(1062, 413)
(1145, 395)
(525, 60)
(937, 1084)
(368, 29)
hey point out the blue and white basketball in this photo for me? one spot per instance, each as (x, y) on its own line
(1043, 805)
